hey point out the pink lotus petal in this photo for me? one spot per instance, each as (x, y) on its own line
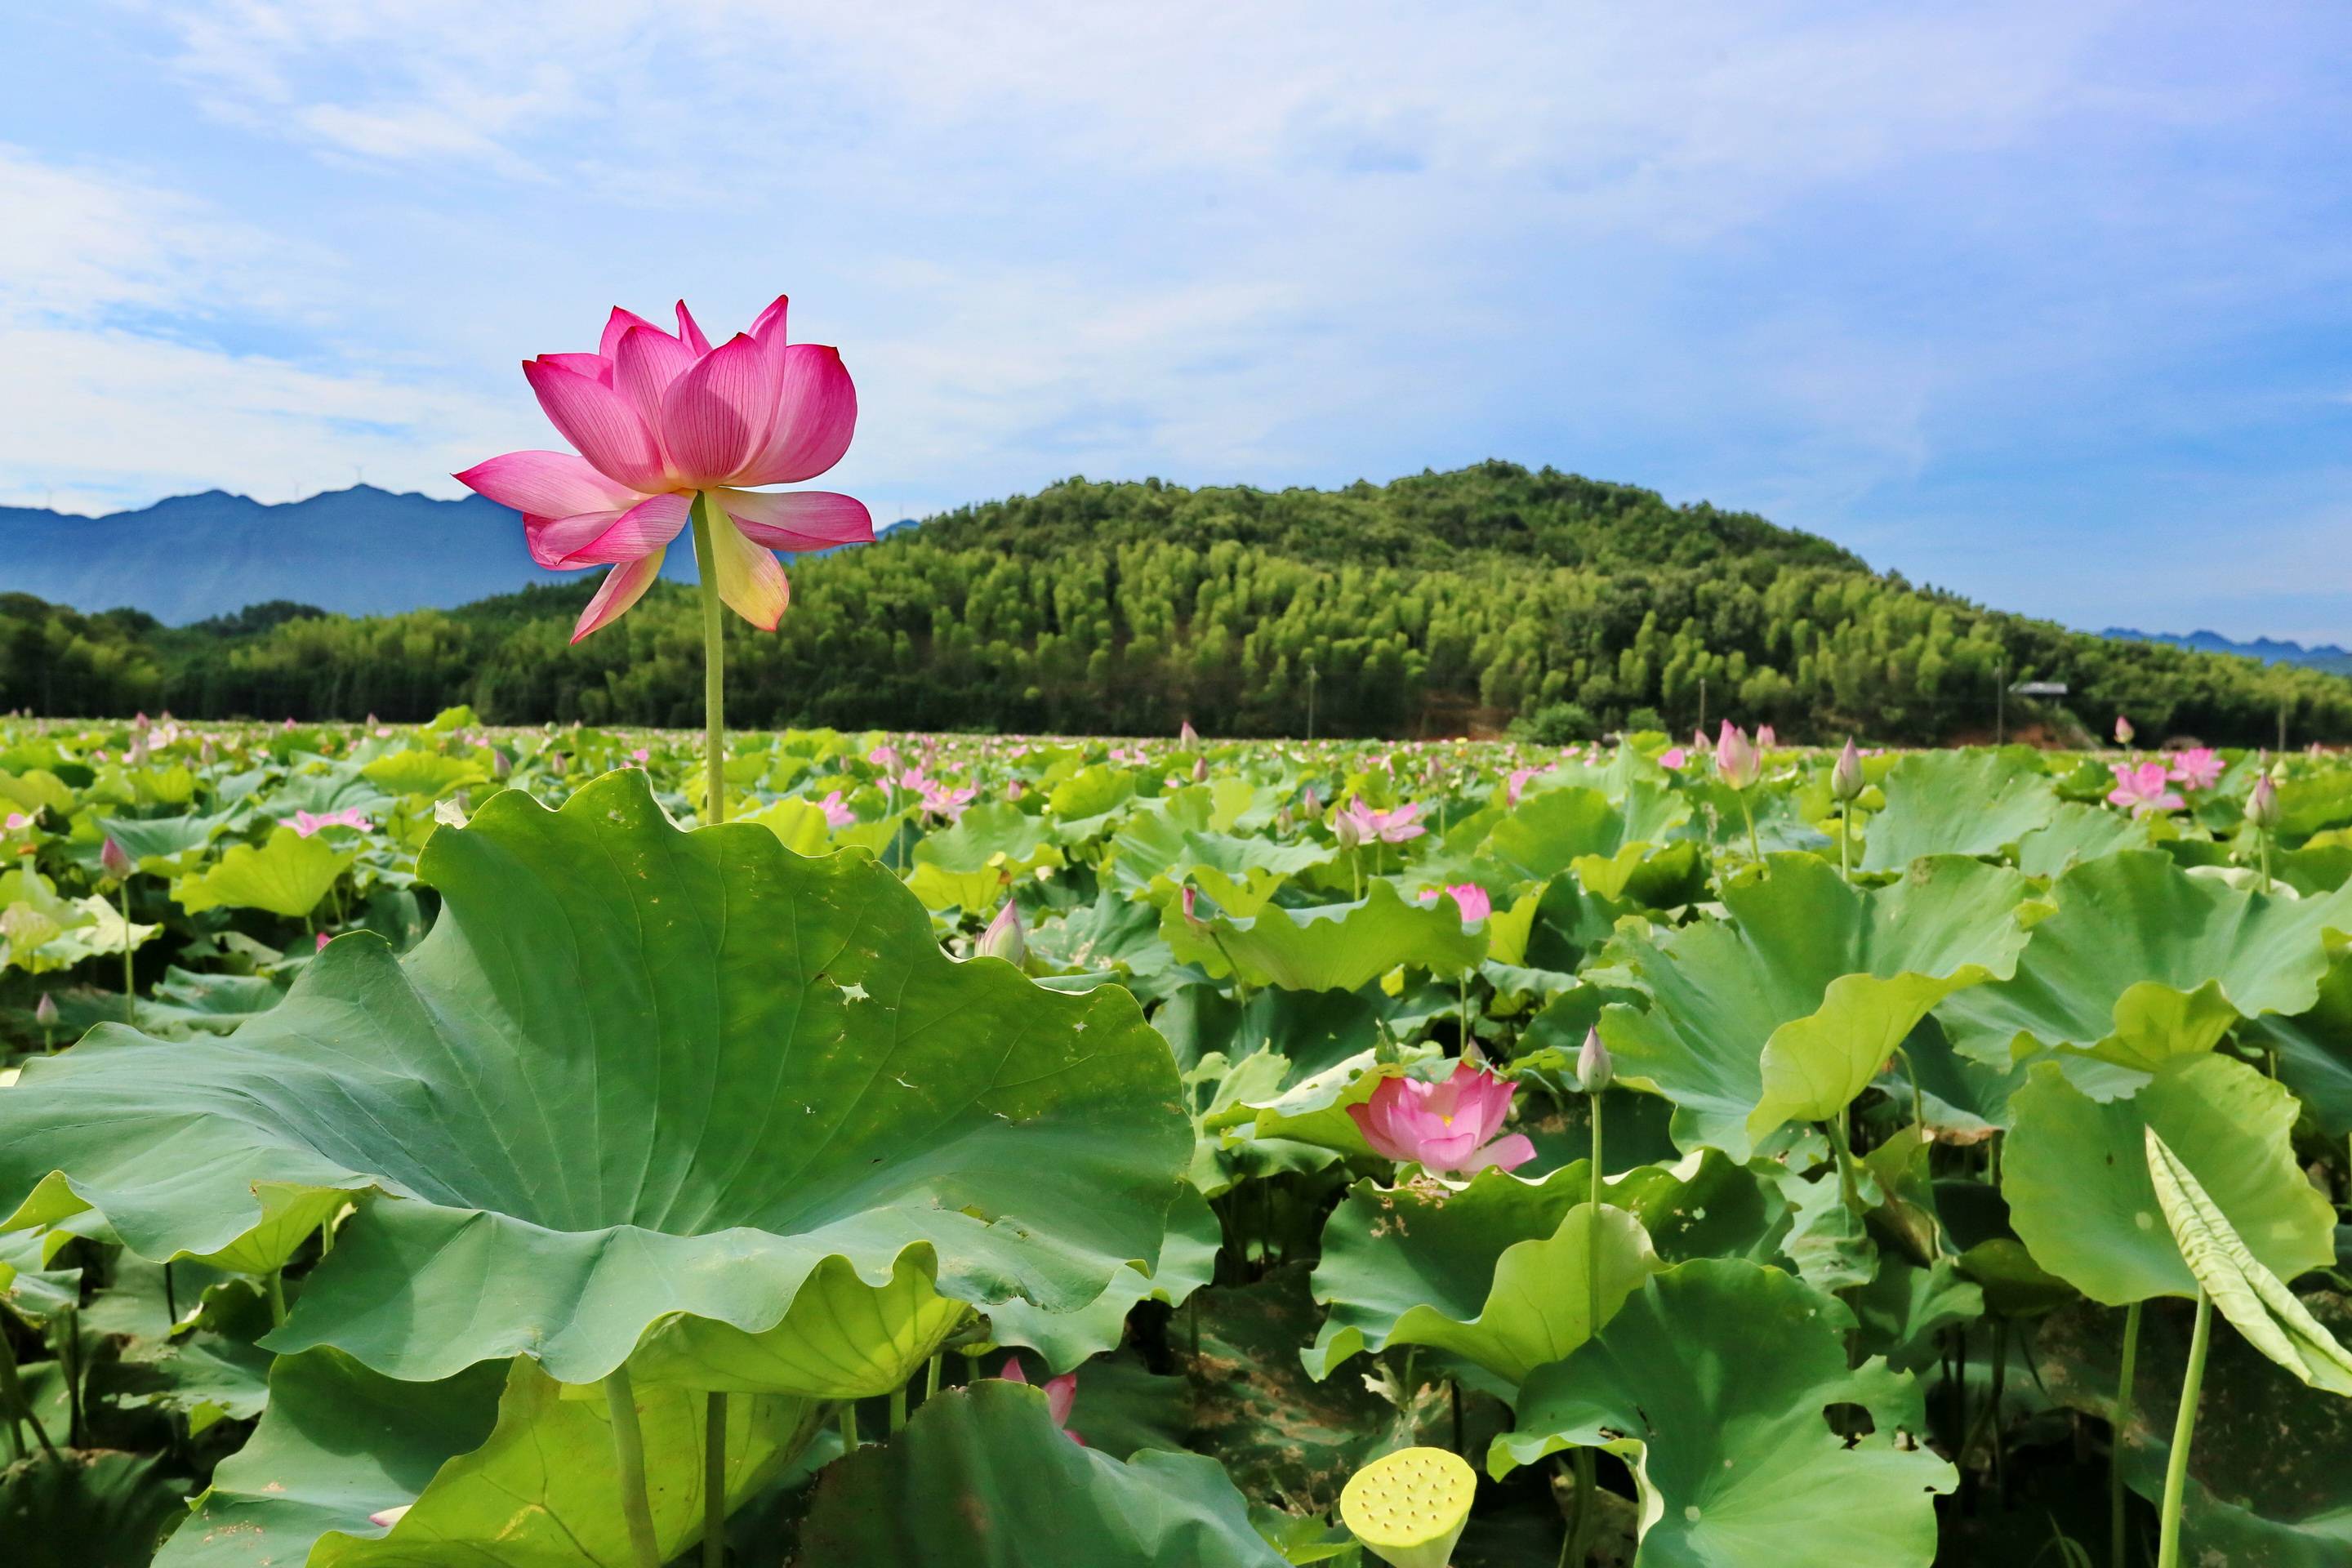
(599, 422)
(624, 585)
(767, 326)
(714, 417)
(386, 1517)
(551, 540)
(750, 580)
(815, 414)
(595, 367)
(1504, 1153)
(799, 519)
(547, 484)
(689, 332)
(618, 324)
(649, 525)
(644, 365)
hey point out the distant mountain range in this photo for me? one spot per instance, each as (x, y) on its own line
(361, 551)
(2326, 656)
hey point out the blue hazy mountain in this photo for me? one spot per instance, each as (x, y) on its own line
(361, 551)
(2327, 656)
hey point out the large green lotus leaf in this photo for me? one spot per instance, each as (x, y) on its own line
(1550, 829)
(41, 931)
(969, 865)
(1187, 1262)
(2271, 1316)
(2267, 1485)
(1790, 1008)
(982, 1477)
(1314, 1109)
(427, 773)
(2081, 833)
(635, 1075)
(2314, 1049)
(2075, 1170)
(1536, 1307)
(165, 845)
(1326, 947)
(1711, 1384)
(1173, 844)
(499, 1464)
(1312, 1030)
(2142, 961)
(287, 875)
(1958, 802)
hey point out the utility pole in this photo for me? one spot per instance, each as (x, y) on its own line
(1702, 707)
(1314, 676)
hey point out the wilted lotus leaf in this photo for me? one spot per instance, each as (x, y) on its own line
(637, 1079)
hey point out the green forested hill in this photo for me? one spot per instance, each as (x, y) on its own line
(1440, 604)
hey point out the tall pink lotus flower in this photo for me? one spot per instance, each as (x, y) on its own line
(305, 824)
(1735, 757)
(1449, 1128)
(2142, 788)
(1370, 827)
(1061, 1396)
(1468, 897)
(660, 419)
(2200, 767)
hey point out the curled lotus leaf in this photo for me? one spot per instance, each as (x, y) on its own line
(637, 1081)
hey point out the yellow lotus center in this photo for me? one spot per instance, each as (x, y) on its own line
(1408, 1499)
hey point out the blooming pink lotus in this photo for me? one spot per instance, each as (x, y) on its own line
(1468, 897)
(1449, 1128)
(837, 814)
(1371, 826)
(1061, 1394)
(661, 419)
(1672, 759)
(305, 824)
(2200, 767)
(1515, 782)
(2142, 788)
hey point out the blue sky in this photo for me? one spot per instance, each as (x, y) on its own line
(2048, 304)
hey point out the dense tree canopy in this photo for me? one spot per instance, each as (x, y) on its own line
(1440, 604)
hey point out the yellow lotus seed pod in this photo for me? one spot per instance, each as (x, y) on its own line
(1408, 1508)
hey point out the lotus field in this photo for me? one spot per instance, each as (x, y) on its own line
(435, 1145)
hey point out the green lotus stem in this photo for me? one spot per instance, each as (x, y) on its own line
(897, 1409)
(1754, 849)
(171, 1298)
(714, 1480)
(714, 666)
(1845, 1162)
(69, 1362)
(1919, 1100)
(1592, 1230)
(1454, 1392)
(2184, 1428)
(1355, 871)
(629, 1455)
(129, 985)
(2263, 837)
(1579, 1544)
(849, 1425)
(274, 1282)
(2121, 1420)
(11, 1390)
(932, 1373)
(1845, 840)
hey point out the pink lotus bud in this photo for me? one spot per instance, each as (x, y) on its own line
(500, 763)
(1016, 790)
(320, 946)
(1594, 1070)
(1061, 1396)
(1766, 740)
(1188, 737)
(2124, 731)
(1200, 769)
(387, 1517)
(45, 1011)
(556, 763)
(1845, 778)
(1736, 758)
(205, 752)
(1004, 938)
(114, 860)
(2262, 803)
(1192, 895)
